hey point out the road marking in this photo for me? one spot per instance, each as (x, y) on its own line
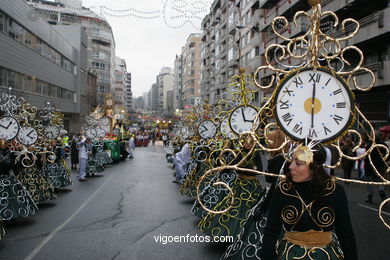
(54, 232)
(166, 149)
(373, 209)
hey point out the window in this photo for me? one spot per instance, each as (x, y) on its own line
(2, 22)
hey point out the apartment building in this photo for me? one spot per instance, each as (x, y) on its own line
(230, 41)
(41, 64)
(101, 43)
(119, 89)
(129, 92)
(190, 78)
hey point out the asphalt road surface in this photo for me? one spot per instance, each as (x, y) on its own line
(120, 214)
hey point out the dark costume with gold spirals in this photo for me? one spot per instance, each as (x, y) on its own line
(246, 191)
(15, 201)
(309, 225)
(57, 173)
(35, 183)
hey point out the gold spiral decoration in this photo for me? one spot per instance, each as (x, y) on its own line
(290, 214)
(325, 217)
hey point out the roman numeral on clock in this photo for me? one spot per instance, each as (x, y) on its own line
(288, 92)
(284, 105)
(315, 77)
(298, 128)
(298, 81)
(341, 105)
(338, 119)
(287, 118)
(327, 130)
(336, 92)
(312, 133)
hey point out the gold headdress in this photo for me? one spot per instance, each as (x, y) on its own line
(305, 153)
(3, 142)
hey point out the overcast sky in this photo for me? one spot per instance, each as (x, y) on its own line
(147, 45)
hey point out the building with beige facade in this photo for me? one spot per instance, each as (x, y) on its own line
(190, 63)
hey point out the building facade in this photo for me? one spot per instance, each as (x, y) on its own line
(42, 65)
(190, 77)
(101, 43)
(119, 90)
(129, 93)
(230, 41)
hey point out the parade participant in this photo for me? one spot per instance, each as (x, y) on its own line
(39, 188)
(247, 191)
(74, 154)
(248, 245)
(15, 201)
(310, 206)
(83, 158)
(132, 146)
(182, 160)
(57, 173)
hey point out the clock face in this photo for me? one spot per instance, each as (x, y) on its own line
(100, 132)
(242, 119)
(9, 127)
(185, 131)
(105, 123)
(27, 135)
(225, 129)
(51, 131)
(207, 129)
(91, 132)
(315, 104)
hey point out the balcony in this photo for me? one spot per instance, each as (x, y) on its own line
(371, 26)
(379, 69)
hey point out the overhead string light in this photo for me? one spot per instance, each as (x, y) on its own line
(175, 13)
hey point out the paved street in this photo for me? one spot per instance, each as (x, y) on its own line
(117, 214)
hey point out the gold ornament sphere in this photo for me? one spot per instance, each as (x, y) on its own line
(314, 2)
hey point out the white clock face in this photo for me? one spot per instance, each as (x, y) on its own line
(9, 127)
(185, 131)
(225, 129)
(207, 129)
(242, 119)
(314, 104)
(100, 132)
(105, 123)
(91, 132)
(27, 135)
(51, 131)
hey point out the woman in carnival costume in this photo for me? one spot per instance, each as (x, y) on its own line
(247, 191)
(15, 201)
(57, 173)
(33, 180)
(312, 208)
(249, 243)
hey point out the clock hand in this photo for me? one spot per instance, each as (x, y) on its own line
(312, 104)
(8, 125)
(243, 114)
(30, 133)
(204, 129)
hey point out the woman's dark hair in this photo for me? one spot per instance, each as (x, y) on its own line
(319, 176)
